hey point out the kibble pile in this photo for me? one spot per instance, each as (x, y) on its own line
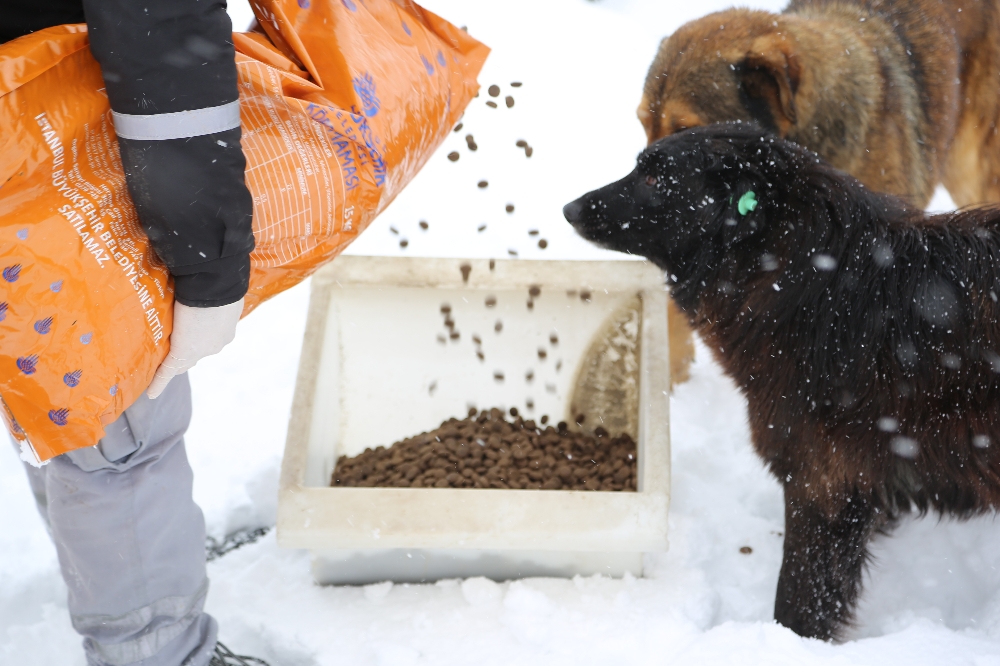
(486, 450)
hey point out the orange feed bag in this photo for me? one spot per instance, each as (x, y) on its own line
(341, 103)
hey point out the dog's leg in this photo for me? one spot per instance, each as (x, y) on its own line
(681, 344)
(823, 562)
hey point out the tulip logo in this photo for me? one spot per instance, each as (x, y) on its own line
(23, 234)
(86, 338)
(72, 379)
(59, 416)
(350, 5)
(43, 326)
(26, 364)
(56, 287)
(113, 390)
(365, 87)
(3, 311)
(11, 273)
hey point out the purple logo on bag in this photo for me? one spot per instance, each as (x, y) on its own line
(56, 286)
(26, 364)
(59, 416)
(441, 60)
(406, 29)
(11, 273)
(43, 326)
(16, 427)
(86, 338)
(113, 389)
(72, 379)
(350, 5)
(3, 311)
(23, 234)
(427, 65)
(304, 4)
(365, 87)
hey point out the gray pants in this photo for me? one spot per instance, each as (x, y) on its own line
(131, 540)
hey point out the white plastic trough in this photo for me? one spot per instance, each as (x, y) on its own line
(374, 371)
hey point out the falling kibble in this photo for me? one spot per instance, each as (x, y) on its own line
(458, 127)
(403, 243)
(453, 156)
(490, 103)
(544, 419)
(498, 326)
(529, 376)
(493, 90)
(521, 143)
(442, 339)
(481, 355)
(531, 304)
(534, 291)
(509, 101)
(498, 376)
(466, 269)
(543, 243)
(491, 301)
(528, 151)
(481, 228)
(454, 335)
(542, 354)
(532, 232)
(470, 141)
(394, 230)
(515, 84)
(529, 403)
(513, 412)
(746, 550)
(477, 339)
(424, 225)
(585, 295)
(483, 184)
(445, 308)
(512, 252)
(509, 208)
(493, 264)
(554, 338)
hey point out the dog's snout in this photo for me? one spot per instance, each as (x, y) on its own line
(573, 211)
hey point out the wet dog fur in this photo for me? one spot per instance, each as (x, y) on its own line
(864, 334)
(902, 94)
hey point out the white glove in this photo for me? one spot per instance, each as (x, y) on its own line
(198, 332)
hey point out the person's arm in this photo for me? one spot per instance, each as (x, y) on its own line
(170, 74)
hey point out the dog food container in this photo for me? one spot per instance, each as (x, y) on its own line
(379, 365)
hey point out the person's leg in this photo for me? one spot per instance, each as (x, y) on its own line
(131, 540)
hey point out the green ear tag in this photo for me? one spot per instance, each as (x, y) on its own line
(747, 203)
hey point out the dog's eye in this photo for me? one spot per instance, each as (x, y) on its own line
(651, 180)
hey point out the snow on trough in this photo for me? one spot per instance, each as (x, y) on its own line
(933, 596)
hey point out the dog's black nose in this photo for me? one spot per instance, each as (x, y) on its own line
(572, 211)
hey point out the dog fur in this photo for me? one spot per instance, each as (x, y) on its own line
(864, 334)
(902, 94)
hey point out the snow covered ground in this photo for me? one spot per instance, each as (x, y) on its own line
(933, 597)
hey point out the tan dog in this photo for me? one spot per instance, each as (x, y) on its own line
(903, 95)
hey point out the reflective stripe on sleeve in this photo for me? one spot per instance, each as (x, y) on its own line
(178, 125)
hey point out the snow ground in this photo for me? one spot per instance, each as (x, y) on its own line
(933, 597)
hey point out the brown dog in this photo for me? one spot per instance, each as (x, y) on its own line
(902, 95)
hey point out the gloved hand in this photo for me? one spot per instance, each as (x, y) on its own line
(198, 332)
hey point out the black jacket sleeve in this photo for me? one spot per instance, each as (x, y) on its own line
(168, 65)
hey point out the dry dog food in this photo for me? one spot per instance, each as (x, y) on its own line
(486, 450)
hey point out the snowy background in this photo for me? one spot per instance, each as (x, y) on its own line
(933, 597)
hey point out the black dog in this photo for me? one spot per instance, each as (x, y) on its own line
(864, 334)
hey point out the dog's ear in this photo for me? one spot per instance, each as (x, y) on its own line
(770, 73)
(646, 117)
